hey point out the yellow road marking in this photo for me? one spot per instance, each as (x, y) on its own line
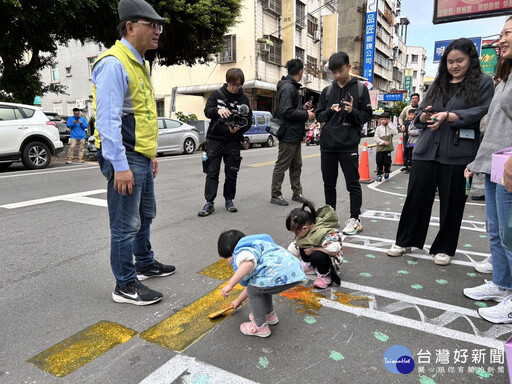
(273, 161)
(220, 270)
(191, 323)
(84, 346)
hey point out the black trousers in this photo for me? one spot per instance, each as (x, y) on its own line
(348, 162)
(230, 153)
(414, 221)
(383, 160)
(408, 157)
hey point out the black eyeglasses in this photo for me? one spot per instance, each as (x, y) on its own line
(154, 26)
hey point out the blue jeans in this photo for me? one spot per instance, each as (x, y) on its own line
(497, 205)
(130, 218)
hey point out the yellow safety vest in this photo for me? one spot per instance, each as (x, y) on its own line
(139, 127)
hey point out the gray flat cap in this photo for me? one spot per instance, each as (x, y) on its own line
(137, 9)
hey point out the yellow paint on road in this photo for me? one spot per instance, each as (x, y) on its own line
(82, 347)
(191, 323)
(273, 161)
(220, 270)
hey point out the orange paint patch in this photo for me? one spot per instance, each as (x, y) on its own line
(306, 300)
(347, 299)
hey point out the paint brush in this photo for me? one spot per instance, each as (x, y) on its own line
(220, 313)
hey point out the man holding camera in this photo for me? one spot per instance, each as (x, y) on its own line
(294, 115)
(231, 116)
(77, 125)
(344, 107)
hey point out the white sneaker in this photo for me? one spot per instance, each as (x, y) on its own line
(484, 266)
(352, 227)
(396, 250)
(499, 314)
(442, 259)
(487, 291)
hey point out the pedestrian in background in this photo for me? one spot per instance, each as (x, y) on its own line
(384, 139)
(231, 116)
(77, 135)
(126, 139)
(293, 114)
(498, 198)
(449, 117)
(344, 107)
(402, 121)
(412, 137)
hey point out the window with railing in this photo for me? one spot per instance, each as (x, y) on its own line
(90, 62)
(312, 66)
(274, 54)
(228, 53)
(300, 15)
(272, 6)
(312, 25)
(300, 54)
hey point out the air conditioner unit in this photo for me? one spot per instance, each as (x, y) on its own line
(317, 36)
(263, 47)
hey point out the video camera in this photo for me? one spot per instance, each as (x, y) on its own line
(238, 117)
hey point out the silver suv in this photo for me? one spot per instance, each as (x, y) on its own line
(26, 134)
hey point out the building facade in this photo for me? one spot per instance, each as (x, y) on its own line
(416, 60)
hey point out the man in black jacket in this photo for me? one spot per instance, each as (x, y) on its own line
(231, 116)
(344, 107)
(294, 115)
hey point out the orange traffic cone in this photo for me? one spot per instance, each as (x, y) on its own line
(364, 167)
(399, 156)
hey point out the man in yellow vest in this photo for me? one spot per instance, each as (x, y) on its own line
(126, 138)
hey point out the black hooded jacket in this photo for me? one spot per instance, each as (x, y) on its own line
(218, 128)
(341, 130)
(290, 111)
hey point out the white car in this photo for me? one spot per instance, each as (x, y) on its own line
(176, 136)
(173, 136)
(26, 134)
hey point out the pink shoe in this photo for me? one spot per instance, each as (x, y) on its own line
(308, 269)
(270, 318)
(322, 282)
(251, 329)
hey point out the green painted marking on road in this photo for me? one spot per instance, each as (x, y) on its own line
(412, 262)
(467, 246)
(399, 187)
(426, 380)
(441, 281)
(480, 304)
(203, 378)
(344, 325)
(471, 274)
(374, 221)
(471, 217)
(417, 286)
(381, 336)
(336, 356)
(387, 203)
(402, 272)
(365, 274)
(345, 261)
(370, 256)
(81, 348)
(400, 198)
(262, 362)
(310, 320)
(482, 373)
(483, 236)
(388, 209)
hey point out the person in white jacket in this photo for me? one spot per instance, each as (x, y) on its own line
(384, 139)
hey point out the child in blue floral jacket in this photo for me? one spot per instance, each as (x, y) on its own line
(264, 269)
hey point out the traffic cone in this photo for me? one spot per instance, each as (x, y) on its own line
(399, 156)
(364, 167)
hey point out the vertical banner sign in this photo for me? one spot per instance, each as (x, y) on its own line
(408, 85)
(369, 39)
(488, 60)
(288, 31)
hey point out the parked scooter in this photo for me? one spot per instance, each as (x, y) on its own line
(313, 134)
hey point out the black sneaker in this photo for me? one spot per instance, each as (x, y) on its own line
(279, 201)
(230, 206)
(155, 270)
(298, 198)
(208, 209)
(136, 293)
